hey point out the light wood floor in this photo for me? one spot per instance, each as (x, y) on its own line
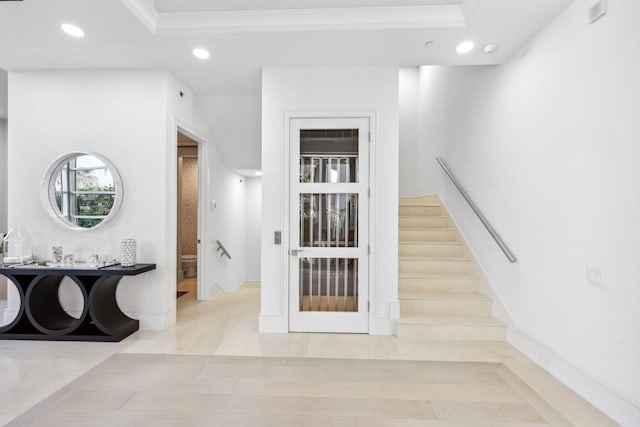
(197, 373)
(132, 390)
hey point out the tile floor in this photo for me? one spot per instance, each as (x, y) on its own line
(227, 326)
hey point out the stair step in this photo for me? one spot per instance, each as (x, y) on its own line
(432, 199)
(422, 235)
(412, 283)
(423, 222)
(420, 210)
(422, 265)
(451, 327)
(444, 302)
(437, 249)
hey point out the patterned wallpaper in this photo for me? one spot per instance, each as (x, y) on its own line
(189, 205)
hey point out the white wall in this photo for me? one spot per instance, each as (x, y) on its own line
(421, 132)
(227, 221)
(411, 179)
(121, 116)
(234, 121)
(547, 146)
(331, 90)
(3, 166)
(3, 176)
(3, 193)
(3, 94)
(130, 117)
(254, 227)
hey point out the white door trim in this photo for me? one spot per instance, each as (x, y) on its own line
(286, 191)
(203, 185)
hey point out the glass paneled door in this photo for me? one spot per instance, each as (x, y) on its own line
(329, 238)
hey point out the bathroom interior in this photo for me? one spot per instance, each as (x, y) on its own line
(187, 216)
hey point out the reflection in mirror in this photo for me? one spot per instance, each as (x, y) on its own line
(83, 190)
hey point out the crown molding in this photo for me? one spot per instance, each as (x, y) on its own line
(286, 20)
(467, 6)
(145, 11)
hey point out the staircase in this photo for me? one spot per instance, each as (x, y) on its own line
(438, 284)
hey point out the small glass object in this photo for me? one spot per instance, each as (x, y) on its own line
(17, 247)
(68, 259)
(56, 253)
(94, 258)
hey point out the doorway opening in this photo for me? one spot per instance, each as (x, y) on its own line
(187, 217)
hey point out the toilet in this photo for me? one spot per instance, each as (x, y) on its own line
(190, 265)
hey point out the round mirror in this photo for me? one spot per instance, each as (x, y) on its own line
(82, 190)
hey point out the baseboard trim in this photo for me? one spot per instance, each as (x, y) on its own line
(273, 324)
(382, 326)
(209, 290)
(617, 407)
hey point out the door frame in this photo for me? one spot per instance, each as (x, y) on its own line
(203, 185)
(286, 191)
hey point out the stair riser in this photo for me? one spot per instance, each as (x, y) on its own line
(426, 266)
(419, 210)
(442, 250)
(432, 199)
(452, 332)
(426, 236)
(423, 222)
(439, 306)
(438, 285)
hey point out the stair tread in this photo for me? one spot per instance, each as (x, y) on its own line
(440, 243)
(432, 258)
(449, 319)
(443, 295)
(419, 205)
(425, 228)
(438, 276)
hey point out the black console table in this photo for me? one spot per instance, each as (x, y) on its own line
(41, 317)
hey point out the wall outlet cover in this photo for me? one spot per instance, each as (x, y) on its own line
(594, 277)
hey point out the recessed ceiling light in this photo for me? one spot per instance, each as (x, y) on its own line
(72, 30)
(465, 47)
(490, 48)
(201, 53)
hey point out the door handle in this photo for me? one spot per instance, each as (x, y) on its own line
(295, 252)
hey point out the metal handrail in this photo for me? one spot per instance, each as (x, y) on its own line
(475, 209)
(223, 249)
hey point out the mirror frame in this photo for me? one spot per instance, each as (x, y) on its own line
(47, 191)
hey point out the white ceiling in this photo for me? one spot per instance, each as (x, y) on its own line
(164, 37)
(245, 35)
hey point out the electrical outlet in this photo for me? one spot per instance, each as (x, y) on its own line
(594, 277)
(597, 11)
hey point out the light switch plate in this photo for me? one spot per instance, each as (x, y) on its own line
(594, 277)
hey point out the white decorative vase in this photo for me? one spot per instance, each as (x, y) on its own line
(128, 253)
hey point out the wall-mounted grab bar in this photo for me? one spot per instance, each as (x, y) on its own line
(222, 250)
(485, 222)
